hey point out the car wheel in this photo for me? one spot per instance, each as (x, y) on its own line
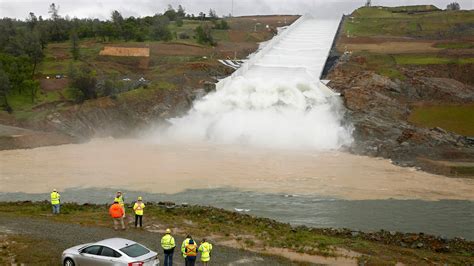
(69, 262)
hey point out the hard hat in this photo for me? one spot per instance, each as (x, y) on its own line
(168, 231)
(139, 198)
(54, 190)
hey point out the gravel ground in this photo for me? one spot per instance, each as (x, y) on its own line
(64, 235)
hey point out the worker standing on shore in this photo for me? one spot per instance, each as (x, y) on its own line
(168, 245)
(55, 201)
(205, 248)
(191, 253)
(116, 212)
(183, 246)
(120, 198)
(138, 208)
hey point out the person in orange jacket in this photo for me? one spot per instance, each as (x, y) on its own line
(117, 213)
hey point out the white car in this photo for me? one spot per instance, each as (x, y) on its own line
(112, 251)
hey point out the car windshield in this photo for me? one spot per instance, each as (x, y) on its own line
(135, 250)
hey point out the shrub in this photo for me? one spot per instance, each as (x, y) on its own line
(203, 35)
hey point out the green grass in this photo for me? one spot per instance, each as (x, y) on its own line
(455, 118)
(52, 67)
(455, 45)
(382, 22)
(165, 85)
(415, 8)
(382, 64)
(466, 60)
(22, 101)
(430, 60)
(143, 94)
(220, 35)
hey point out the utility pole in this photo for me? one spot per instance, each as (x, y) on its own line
(232, 10)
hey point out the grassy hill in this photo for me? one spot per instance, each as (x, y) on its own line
(414, 21)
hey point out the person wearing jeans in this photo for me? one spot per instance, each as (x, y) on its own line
(168, 245)
(138, 208)
(191, 253)
(55, 202)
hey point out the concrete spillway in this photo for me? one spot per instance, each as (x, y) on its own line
(275, 99)
(302, 48)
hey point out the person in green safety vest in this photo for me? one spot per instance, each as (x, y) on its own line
(120, 199)
(168, 245)
(205, 248)
(138, 208)
(55, 201)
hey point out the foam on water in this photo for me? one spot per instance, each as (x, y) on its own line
(275, 99)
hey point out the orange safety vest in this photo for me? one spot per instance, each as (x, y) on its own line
(191, 250)
(116, 211)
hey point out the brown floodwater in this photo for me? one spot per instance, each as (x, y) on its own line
(147, 166)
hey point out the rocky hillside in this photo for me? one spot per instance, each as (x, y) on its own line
(409, 93)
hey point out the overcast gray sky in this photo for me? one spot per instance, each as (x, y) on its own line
(103, 8)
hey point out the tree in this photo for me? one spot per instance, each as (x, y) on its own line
(181, 13)
(18, 75)
(34, 50)
(129, 29)
(54, 11)
(5, 88)
(160, 30)
(203, 35)
(42, 29)
(84, 79)
(57, 25)
(7, 32)
(171, 13)
(18, 69)
(32, 21)
(213, 14)
(26, 43)
(74, 45)
(117, 21)
(221, 25)
(31, 86)
(179, 22)
(453, 6)
(202, 16)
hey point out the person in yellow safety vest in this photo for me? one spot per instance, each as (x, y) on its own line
(120, 199)
(205, 248)
(183, 245)
(55, 201)
(168, 245)
(191, 253)
(138, 208)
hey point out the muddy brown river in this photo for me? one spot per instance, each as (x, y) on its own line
(330, 189)
(142, 165)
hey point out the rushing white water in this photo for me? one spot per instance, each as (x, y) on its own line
(275, 99)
